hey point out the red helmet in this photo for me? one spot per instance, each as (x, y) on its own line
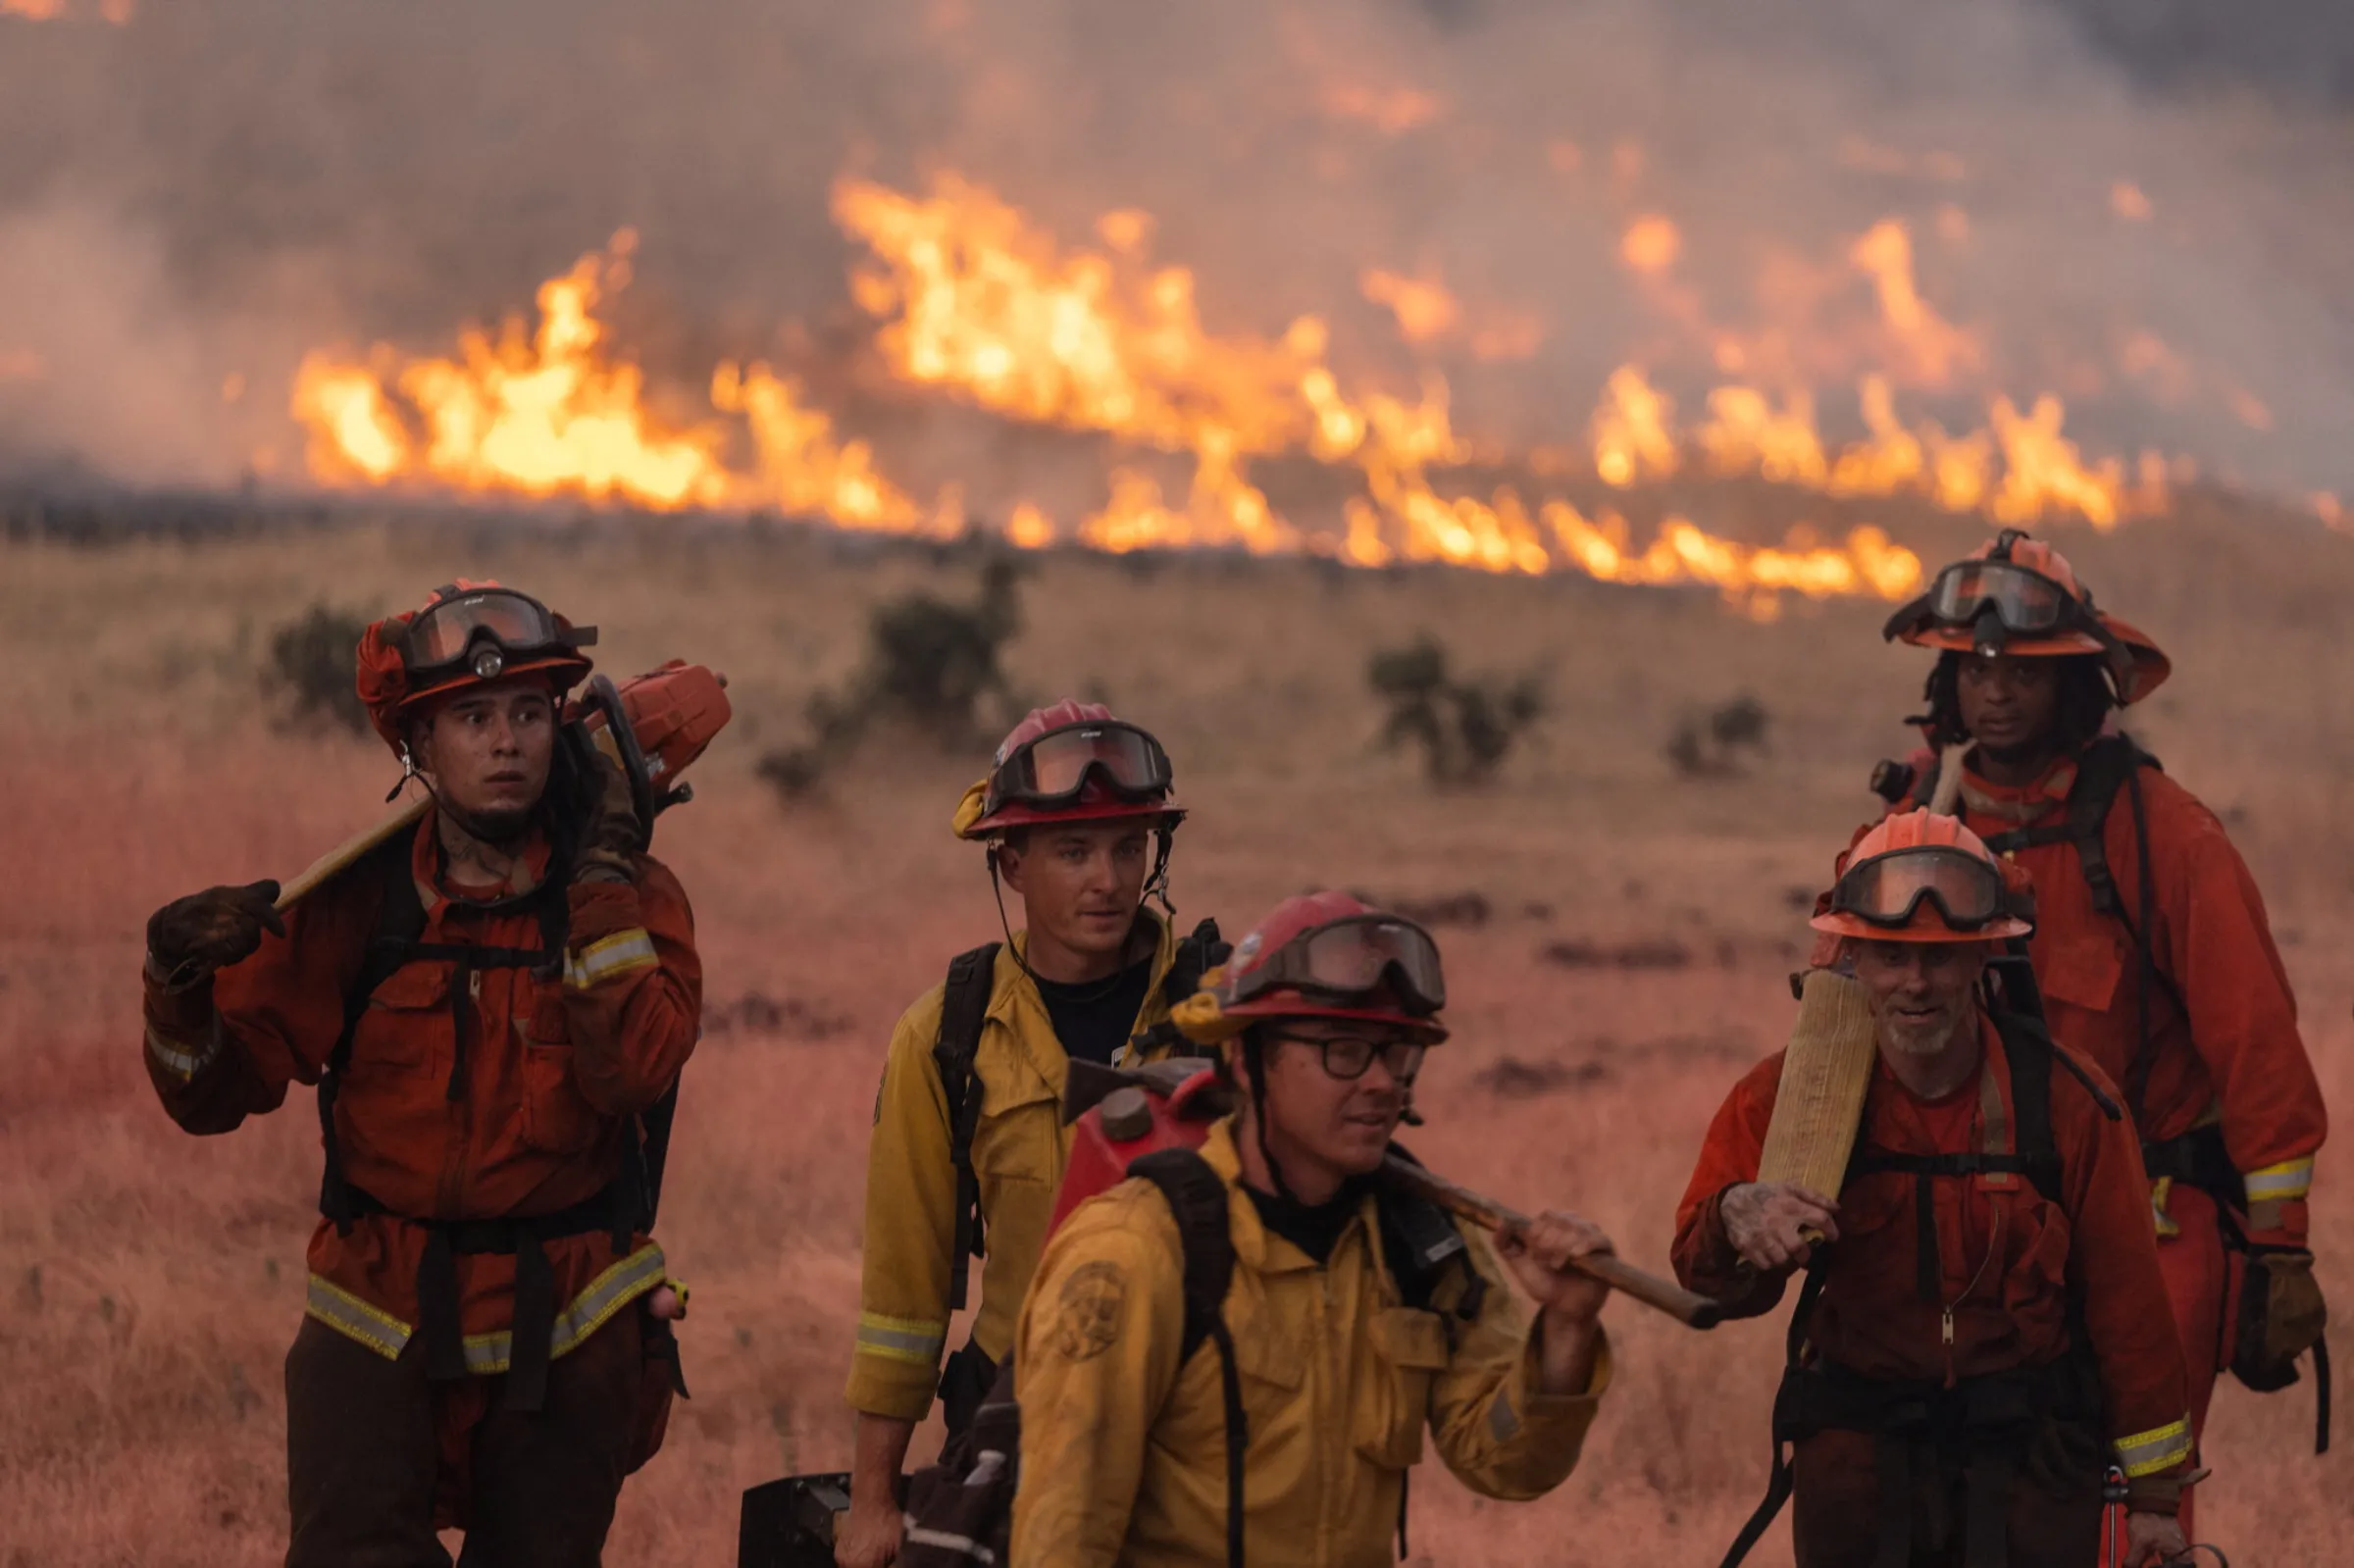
(1924, 877)
(2018, 595)
(1329, 955)
(465, 633)
(1072, 762)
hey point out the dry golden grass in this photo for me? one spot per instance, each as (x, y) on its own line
(149, 1282)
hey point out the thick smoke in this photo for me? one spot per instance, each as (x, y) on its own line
(188, 201)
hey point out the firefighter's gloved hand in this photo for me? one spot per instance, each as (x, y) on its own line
(613, 832)
(190, 938)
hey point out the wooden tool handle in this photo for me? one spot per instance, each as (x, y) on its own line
(350, 849)
(1949, 780)
(1687, 1307)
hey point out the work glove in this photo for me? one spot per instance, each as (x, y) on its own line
(613, 833)
(2282, 1314)
(190, 938)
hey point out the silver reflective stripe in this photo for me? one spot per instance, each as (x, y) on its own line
(623, 952)
(2147, 1452)
(962, 1545)
(625, 1281)
(1503, 1422)
(902, 1338)
(356, 1319)
(183, 1065)
(2289, 1179)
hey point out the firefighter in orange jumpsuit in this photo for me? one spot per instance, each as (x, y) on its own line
(2151, 942)
(495, 1010)
(1982, 1328)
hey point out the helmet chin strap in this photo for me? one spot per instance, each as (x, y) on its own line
(1255, 1065)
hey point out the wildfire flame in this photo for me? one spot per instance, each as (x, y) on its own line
(117, 11)
(972, 302)
(550, 411)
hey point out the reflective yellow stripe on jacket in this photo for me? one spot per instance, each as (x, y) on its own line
(488, 1353)
(2278, 1184)
(2145, 1453)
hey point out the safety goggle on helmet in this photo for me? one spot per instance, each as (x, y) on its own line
(484, 632)
(2019, 596)
(1922, 861)
(1056, 768)
(1329, 957)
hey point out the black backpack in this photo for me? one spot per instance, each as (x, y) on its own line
(960, 1509)
(963, 1009)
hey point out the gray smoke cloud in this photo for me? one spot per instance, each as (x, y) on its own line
(188, 201)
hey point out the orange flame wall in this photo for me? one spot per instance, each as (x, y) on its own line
(974, 303)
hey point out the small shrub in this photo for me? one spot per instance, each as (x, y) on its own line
(310, 668)
(1712, 745)
(1465, 728)
(929, 664)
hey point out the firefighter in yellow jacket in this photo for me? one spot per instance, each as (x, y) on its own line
(969, 1142)
(1349, 1331)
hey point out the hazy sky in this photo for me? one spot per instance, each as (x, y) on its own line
(217, 185)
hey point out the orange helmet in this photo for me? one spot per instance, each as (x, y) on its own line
(1924, 877)
(1328, 955)
(465, 633)
(2018, 595)
(1072, 762)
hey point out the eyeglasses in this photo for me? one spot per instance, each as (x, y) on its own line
(1887, 890)
(1349, 1057)
(1054, 769)
(1346, 959)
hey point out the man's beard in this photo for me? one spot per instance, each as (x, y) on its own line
(1926, 1039)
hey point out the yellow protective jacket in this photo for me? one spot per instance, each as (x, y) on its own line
(1124, 1451)
(1019, 1148)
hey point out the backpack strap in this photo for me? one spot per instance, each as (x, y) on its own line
(1421, 1245)
(963, 1008)
(399, 921)
(2109, 764)
(1196, 1197)
(1196, 955)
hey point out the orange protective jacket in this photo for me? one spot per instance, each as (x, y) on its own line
(2237, 1059)
(553, 1066)
(2008, 1260)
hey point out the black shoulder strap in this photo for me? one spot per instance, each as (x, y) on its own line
(391, 941)
(2031, 1051)
(963, 1007)
(1420, 1243)
(1196, 955)
(1197, 1198)
(2101, 772)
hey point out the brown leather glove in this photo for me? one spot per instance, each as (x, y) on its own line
(613, 833)
(2280, 1315)
(190, 938)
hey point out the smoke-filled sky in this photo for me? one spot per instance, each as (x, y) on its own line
(207, 190)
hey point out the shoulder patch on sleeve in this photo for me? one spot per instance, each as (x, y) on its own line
(1088, 1310)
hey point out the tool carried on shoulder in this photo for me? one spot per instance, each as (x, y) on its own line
(672, 714)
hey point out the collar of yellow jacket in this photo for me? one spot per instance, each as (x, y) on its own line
(1252, 1247)
(1012, 988)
